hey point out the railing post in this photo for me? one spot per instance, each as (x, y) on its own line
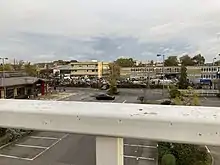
(109, 151)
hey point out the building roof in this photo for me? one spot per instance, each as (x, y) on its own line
(63, 67)
(13, 81)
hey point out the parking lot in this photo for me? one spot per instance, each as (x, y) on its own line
(50, 148)
(31, 147)
(136, 152)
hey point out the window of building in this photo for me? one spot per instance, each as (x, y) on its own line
(209, 69)
(215, 69)
(87, 70)
(96, 64)
(20, 91)
(214, 76)
(72, 65)
(93, 70)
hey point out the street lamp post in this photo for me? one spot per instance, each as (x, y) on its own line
(163, 56)
(3, 75)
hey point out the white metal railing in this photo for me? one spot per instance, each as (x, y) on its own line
(198, 125)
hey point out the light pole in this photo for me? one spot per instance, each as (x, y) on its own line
(3, 75)
(163, 56)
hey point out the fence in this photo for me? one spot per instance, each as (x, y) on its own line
(113, 122)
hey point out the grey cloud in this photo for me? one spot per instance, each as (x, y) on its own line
(104, 30)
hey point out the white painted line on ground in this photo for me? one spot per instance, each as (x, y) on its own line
(5, 145)
(15, 157)
(139, 158)
(30, 146)
(207, 149)
(43, 137)
(209, 152)
(50, 146)
(138, 145)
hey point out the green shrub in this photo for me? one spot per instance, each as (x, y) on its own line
(174, 92)
(168, 159)
(185, 154)
(2, 131)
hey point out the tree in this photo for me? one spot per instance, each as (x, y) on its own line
(31, 70)
(171, 61)
(125, 62)
(174, 92)
(188, 97)
(186, 60)
(7, 67)
(183, 82)
(198, 59)
(185, 154)
(114, 71)
(19, 66)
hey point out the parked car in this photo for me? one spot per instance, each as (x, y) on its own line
(104, 97)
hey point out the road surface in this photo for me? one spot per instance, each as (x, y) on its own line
(214, 150)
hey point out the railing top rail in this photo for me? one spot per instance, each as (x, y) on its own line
(193, 124)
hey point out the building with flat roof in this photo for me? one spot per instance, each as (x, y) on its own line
(193, 72)
(90, 69)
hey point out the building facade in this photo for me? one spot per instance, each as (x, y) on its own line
(193, 72)
(21, 87)
(83, 69)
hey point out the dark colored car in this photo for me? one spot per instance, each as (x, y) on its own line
(166, 102)
(104, 97)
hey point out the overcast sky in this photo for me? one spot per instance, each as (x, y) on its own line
(44, 30)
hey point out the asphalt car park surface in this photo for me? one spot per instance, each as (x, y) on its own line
(51, 148)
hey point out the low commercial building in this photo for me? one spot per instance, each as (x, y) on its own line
(151, 71)
(21, 87)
